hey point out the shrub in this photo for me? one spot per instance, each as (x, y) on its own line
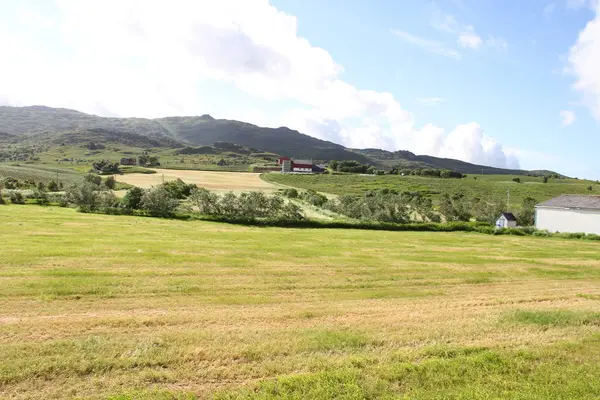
(517, 180)
(59, 198)
(84, 196)
(133, 199)
(52, 186)
(17, 198)
(159, 202)
(41, 197)
(94, 179)
(110, 182)
(291, 193)
(178, 188)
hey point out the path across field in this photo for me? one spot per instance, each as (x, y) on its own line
(212, 180)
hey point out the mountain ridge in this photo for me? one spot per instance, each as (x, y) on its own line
(32, 121)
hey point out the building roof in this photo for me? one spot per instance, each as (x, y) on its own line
(573, 201)
(302, 162)
(509, 216)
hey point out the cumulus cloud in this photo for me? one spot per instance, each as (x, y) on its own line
(584, 64)
(147, 59)
(567, 117)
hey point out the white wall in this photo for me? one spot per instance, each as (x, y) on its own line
(562, 220)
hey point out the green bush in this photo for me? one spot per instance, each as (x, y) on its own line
(17, 198)
(159, 202)
(178, 188)
(291, 193)
(133, 199)
(52, 186)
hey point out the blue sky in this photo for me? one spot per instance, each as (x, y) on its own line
(499, 82)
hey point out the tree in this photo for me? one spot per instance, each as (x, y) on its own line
(333, 165)
(94, 179)
(17, 198)
(41, 187)
(84, 196)
(1, 187)
(41, 197)
(206, 201)
(159, 202)
(133, 199)
(526, 216)
(488, 211)
(545, 179)
(52, 186)
(517, 180)
(590, 188)
(110, 182)
(455, 207)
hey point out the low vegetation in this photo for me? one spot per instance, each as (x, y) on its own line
(483, 187)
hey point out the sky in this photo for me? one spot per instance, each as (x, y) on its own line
(507, 83)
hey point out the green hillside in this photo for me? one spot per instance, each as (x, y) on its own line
(39, 125)
(482, 186)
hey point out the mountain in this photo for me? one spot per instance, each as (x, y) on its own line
(59, 125)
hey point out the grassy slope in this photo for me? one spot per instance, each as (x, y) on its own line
(485, 186)
(96, 306)
(44, 173)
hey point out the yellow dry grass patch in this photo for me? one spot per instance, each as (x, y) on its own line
(212, 180)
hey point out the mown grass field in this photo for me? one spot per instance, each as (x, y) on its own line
(485, 186)
(109, 307)
(212, 180)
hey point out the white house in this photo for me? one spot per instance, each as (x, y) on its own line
(569, 213)
(506, 220)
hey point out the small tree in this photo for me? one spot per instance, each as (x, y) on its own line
(159, 202)
(1, 187)
(110, 182)
(526, 216)
(41, 197)
(52, 186)
(133, 199)
(517, 180)
(590, 188)
(84, 196)
(17, 198)
(41, 187)
(94, 179)
(206, 201)
(545, 179)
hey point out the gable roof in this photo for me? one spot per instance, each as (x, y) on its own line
(573, 201)
(509, 216)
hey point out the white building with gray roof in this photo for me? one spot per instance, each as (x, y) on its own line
(569, 213)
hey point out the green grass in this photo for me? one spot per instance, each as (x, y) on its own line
(123, 308)
(485, 186)
(44, 173)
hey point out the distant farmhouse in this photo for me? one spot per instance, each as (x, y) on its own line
(128, 161)
(506, 220)
(569, 213)
(302, 166)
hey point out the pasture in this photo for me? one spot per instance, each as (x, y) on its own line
(212, 180)
(485, 186)
(123, 308)
(41, 173)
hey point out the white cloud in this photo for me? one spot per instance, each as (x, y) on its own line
(584, 64)
(147, 59)
(432, 46)
(431, 101)
(567, 117)
(468, 38)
